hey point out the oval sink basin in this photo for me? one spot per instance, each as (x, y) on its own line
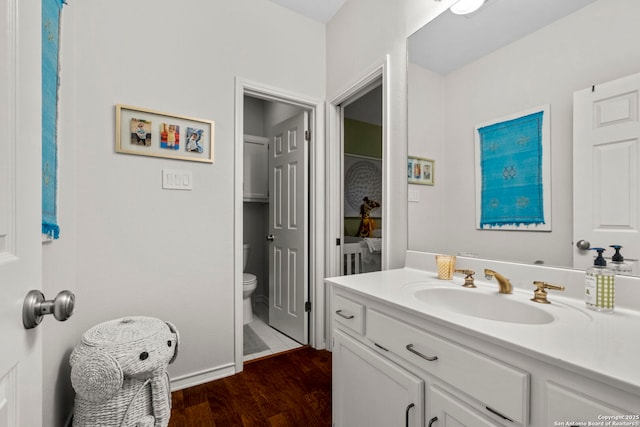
(501, 308)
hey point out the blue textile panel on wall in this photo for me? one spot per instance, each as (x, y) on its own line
(511, 171)
(50, 48)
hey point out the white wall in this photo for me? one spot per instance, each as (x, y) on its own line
(426, 120)
(594, 45)
(128, 247)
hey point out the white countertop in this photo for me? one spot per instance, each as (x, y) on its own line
(603, 346)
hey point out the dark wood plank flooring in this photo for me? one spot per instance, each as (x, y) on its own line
(291, 389)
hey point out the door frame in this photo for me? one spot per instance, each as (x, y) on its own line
(316, 202)
(370, 78)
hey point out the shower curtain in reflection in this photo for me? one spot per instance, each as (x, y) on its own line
(512, 191)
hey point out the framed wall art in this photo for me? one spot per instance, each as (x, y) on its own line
(513, 173)
(420, 170)
(152, 133)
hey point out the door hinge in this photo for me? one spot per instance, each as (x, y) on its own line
(307, 306)
(338, 241)
(307, 135)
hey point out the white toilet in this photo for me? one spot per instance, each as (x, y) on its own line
(249, 284)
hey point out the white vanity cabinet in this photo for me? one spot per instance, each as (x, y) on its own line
(256, 162)
(469, 379)
(381, 364)
(500, 390)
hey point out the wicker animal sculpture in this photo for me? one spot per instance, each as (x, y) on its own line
(367, 224)
(119, 373)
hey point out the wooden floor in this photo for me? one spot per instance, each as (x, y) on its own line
(291, 389)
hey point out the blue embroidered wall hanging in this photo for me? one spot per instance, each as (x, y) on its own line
(512, 178)
(51, 10)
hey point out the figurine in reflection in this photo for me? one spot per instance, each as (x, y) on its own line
(367, 224)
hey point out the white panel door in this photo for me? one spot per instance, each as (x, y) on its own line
(20, 210)
(288, 227)
(606, 157)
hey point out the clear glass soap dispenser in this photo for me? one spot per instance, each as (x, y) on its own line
(599, 293)
(617, 262)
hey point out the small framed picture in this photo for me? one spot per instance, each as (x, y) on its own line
(152, 133)
(420, 170)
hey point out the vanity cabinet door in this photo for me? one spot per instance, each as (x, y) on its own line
(371, 391)
(448, 411)
(255, 175)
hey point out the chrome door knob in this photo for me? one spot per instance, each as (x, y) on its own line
(270, 238)
(35, 307)
(583, 245)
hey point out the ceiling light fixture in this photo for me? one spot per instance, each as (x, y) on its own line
(464, 7)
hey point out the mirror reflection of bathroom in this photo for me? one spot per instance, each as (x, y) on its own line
(260, 118)
(362, 181)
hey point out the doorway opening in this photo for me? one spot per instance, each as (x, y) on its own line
(370, 91)
(275, 222)
(362, 137)
(269, 327)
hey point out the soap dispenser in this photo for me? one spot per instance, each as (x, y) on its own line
(617, 262)
(599, 293)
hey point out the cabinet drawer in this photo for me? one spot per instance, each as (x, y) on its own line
(565, 404)
(349, 313)
(503, 389)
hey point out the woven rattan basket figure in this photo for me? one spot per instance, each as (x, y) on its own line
(119, 373)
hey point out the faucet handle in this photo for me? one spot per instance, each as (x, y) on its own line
(540, 295)
(468, 280)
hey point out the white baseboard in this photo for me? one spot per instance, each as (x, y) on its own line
(202, 377)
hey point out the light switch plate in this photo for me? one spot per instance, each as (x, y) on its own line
(177, 179)
(414, 196)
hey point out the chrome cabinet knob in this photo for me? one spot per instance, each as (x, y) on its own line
(270, 238)
(35, 307)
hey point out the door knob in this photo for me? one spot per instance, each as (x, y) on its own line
(583, 245)
(35, 307)
(270, 238)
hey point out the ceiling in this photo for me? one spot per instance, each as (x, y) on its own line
(318, 10)
(451, 41)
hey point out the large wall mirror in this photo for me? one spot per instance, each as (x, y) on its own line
(510, 56)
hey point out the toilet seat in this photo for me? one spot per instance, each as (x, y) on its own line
(249, 285)
(249, 279)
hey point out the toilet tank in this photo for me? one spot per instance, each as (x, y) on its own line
(245, 255)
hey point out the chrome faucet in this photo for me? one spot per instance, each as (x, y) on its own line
(503, 282)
